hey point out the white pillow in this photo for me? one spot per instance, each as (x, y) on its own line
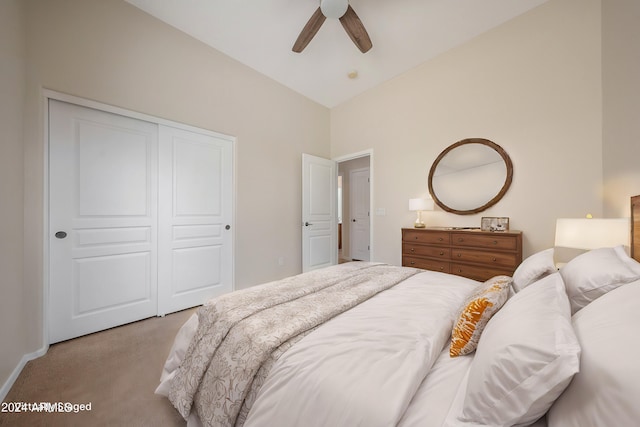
(526, 357)
(534, 268)
(594, 273)
(606, 391)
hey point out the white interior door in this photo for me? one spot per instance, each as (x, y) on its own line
(319, 213)
(195, 215)
(103, 220)
(360, 217)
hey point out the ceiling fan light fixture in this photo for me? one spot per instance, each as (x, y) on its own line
(334, 8)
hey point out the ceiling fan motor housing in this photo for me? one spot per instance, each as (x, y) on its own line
(334, 8)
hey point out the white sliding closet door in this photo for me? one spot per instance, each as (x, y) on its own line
(195, 218)
(140, 217)
(103, 220)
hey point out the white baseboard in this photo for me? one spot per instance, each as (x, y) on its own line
(16, 372)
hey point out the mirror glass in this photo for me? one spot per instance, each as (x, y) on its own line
(470, 176)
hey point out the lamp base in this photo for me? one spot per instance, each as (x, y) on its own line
(419, 225)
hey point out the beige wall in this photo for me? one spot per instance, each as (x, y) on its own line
(621, 101)
(110, 51)
(12, 85)
(532, 85)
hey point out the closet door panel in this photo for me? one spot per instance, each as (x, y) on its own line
(102, 220)
(195, 212)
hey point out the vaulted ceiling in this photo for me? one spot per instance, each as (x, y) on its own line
(404, 33)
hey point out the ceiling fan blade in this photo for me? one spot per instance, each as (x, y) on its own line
(309, 30)
(354, 27)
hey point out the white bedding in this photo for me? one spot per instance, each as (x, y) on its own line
(432, 402)
(372, 359)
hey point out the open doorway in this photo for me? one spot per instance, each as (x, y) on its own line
(354, 208)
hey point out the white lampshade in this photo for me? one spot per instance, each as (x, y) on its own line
(420, 204)
(592, 233)
(334, 8)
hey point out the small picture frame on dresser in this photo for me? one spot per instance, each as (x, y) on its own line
(494, 223)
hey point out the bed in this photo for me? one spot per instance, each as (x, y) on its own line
(369, 344)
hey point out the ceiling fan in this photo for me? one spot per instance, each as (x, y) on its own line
(336, 9)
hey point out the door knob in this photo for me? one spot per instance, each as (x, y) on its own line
(227, 227)
(353, 220)
(306, 224)
(61, 234)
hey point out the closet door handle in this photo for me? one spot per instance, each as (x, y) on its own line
(61, 234)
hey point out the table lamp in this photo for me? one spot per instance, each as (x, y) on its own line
(419, 205)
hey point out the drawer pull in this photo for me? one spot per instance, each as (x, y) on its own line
(495, 242)
(441, 253)
(441, 268)
(459, 270)
(413, 250)
(459, 255)
(440, 239)
(460, 239)
(413, 263)
(494, 260)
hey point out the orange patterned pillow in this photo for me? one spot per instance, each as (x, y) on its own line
(476, 312)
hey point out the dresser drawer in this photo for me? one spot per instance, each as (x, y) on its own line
(477, 272)
(501, 259)
(430, 237)
(426, 264)
(488, 241)
(428, 251)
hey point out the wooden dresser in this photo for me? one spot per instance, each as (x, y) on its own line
(475, 254)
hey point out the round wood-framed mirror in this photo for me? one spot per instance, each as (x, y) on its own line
(470, 176)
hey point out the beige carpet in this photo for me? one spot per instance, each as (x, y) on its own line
(116, 371)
